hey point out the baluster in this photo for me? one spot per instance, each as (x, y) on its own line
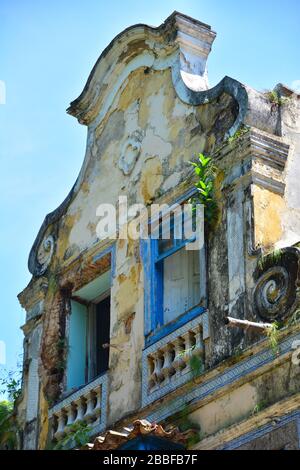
(199, 349)
(167, 367)
(61, 423)
(97, 409)
(187, 347)
(80, 410)
(178, 362)
(151, 372)
(71, 418)
(90, 406)
(158, 360)
(172, 354)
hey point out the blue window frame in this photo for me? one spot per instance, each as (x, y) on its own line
(158, 256)
(88, 329)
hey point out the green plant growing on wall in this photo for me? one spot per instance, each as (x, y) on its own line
(259, 407)
(63, 349)
(196, 365)
(295, 318)
(241, 131)
(272, 334)
(271, 258)
(236, 354)
(61, 365)
(195, 361)
(182, 418)
(185, 423)
(205, 172)
(275, 98)
(52, 284)
(77, 436)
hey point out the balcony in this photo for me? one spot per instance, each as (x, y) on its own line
(88, 404)
(167, 363)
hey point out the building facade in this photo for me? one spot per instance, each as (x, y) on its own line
(112, 324)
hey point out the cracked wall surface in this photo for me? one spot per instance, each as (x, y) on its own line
(144, 125)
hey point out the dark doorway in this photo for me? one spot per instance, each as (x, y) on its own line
(102, 335)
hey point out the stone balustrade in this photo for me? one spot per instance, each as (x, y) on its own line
(86, 405)
(167, 364)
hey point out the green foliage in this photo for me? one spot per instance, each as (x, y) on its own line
(52, 284)
(195, 361)
(194, 439)
(76, 437)
(276, 255)
(271, 258)
(272, 333)
(196, 365)
(185, 423)
(10, 386)
(205, 172)
(275, 98)
(295, 318)
(259, 407)
(183, 420)
(241, 131)
(62, 344)
(236, 354)
(61, 365)
(62, 348)
(7, 428)
(6, 409)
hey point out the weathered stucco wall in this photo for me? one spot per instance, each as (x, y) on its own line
(169, 134)
(144, 125)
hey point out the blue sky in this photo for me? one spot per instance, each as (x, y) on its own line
(47, 51)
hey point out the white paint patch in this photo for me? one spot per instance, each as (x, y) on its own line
(33, 391)
(154, 145)
(171, 181)
(157, 119)
(131, 116)
(181, 110)
(235, 242)
(33, 376)
(144, 60)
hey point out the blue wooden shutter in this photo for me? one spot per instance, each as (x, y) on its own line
(77, 345)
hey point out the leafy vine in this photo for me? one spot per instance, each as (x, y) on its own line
(205, 172)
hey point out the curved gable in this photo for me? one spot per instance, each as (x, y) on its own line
(145, 102)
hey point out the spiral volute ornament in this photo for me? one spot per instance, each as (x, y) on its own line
(275, 291)
(44, 255)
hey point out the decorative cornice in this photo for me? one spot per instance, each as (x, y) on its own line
(33, 294)
(273, 417)
(268, 183)
(269, 149)
(255, 157)
(275, 422)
